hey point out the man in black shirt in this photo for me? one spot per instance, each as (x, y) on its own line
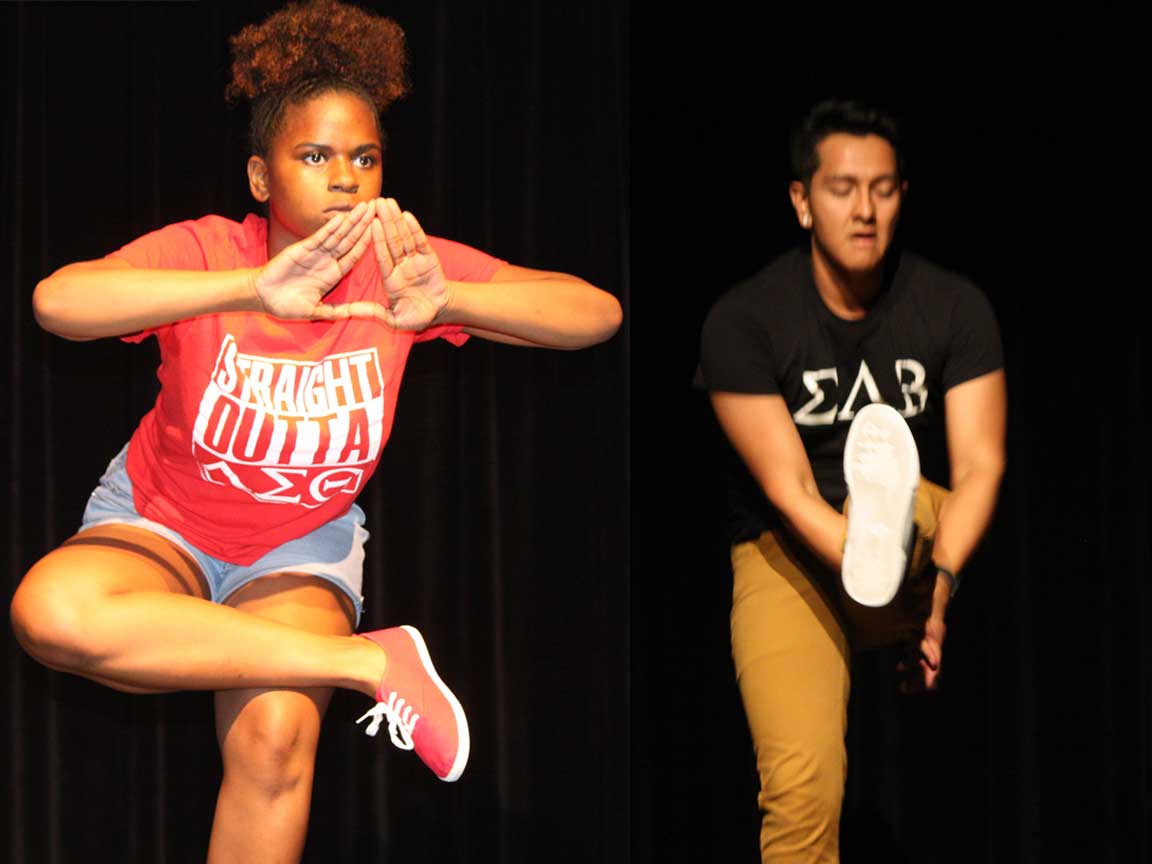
(791, 357)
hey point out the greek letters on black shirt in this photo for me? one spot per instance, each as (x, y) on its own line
(929, 330)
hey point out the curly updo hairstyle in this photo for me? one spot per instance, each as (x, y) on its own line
(310, 48)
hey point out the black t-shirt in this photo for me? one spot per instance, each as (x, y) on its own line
(928, 331)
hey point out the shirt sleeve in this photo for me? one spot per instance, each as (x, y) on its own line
(173, 247)
(461, 263)
(975, 348)
(735, 351)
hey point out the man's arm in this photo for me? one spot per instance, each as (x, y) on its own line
(762, 431)
(975, 418)
(975, 415)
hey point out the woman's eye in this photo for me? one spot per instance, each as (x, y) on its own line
(365, 161)
(314, 158)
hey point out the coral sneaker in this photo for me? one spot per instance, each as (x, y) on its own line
(882, 468)
(422, 713)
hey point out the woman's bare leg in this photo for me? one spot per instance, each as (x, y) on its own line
(268, 736)
(125, 615)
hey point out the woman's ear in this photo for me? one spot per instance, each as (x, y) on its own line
(258, 178)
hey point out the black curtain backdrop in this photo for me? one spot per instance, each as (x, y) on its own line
(509, 540)
(499, 514)
(1027, 170)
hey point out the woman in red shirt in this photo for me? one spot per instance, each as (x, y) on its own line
(223, 548)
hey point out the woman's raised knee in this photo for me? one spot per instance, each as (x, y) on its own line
(49, 623)
(56, 612)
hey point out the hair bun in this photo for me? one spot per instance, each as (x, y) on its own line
(320, 39)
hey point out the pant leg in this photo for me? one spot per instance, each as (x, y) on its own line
(792, 666)
(930, 500)
(793, 670)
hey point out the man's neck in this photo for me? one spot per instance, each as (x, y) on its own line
(847, 295)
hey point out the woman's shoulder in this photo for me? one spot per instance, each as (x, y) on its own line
(236, 243)
(210, 242)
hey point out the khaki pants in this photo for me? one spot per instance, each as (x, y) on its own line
(793, 631)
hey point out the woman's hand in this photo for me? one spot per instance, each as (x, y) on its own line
(414, 281)
(293, 284)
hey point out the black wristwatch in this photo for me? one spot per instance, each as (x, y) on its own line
(953, 579)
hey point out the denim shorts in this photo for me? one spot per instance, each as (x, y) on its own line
(334, 551)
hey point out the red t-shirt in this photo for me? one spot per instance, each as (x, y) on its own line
(266, 429)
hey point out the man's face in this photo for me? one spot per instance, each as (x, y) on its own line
(853, 201)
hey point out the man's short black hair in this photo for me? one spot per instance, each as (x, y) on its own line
(840, 115)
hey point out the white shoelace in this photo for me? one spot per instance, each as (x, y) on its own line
(401, 720)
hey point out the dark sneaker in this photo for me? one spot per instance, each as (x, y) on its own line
(882, 468)
(422, 713)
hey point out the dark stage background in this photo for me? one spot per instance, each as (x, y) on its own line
(1027, 174)
(499, 515)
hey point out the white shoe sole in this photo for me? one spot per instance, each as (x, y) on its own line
(882, 468)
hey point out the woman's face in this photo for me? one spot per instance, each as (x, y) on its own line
(325, 159)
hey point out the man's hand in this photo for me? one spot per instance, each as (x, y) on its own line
(975, 415)
(293, 284)
(924, 649)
